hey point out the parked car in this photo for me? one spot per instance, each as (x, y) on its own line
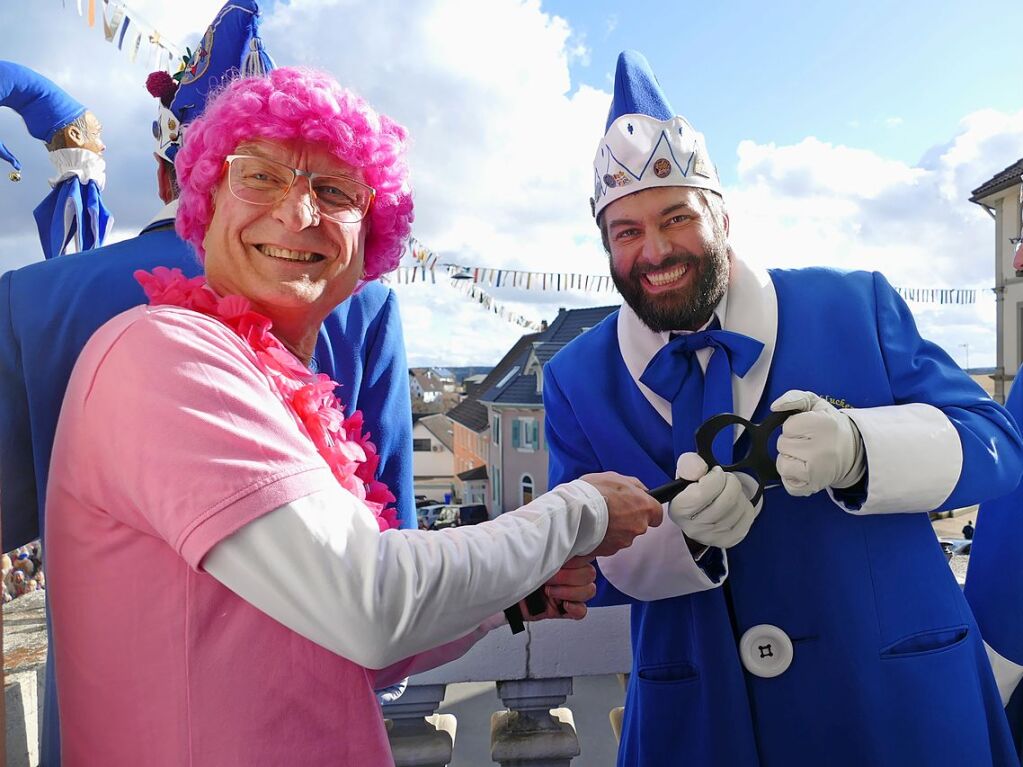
(947, 547)
(959, 547)
(446, 517)
(472, 514)
(428, 515)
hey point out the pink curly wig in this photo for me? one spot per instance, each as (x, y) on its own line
(294, 103)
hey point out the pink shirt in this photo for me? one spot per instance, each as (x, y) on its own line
(170, 439)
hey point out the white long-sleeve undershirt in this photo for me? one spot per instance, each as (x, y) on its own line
(320, 566)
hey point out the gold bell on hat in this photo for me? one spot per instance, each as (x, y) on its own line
(14, 175)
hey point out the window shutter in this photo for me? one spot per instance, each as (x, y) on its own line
(515, 433)
(536, 434)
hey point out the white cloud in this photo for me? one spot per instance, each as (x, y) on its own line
(502, 146)
(815, 203)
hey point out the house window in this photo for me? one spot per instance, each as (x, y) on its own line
(495, 428)
(527, 489)
(421, 445)
(525, 434)
(497, 490)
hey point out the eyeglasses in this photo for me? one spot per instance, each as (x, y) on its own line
(266, 182)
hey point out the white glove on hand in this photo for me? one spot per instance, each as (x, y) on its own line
(714, 511)
(818, 448)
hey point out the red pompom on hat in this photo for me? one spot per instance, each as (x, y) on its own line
(162, 86)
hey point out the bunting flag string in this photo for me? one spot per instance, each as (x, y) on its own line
(117, 17)
(429, 263)
(961, 296)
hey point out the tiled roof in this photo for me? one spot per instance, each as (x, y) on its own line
(568, 324)
(522, 389)
(439, 425)
(469, 412)
(1000, 181)
(431, 379)
(544, 350)
(480, 472)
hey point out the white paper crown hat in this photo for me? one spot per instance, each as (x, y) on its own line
(646, 144)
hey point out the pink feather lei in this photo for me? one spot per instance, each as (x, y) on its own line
(352, 458)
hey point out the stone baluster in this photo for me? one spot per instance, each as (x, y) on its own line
(419, 737)
(535, 731)
(24, 683)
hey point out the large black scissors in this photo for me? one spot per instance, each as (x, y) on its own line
(757, 462)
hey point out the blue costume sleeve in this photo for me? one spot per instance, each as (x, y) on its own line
(920, 371)
(385, 390)
(570, 456)
(18, 499)
(994, 581)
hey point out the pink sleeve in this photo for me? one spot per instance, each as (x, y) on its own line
(437, 656)
(191, 442)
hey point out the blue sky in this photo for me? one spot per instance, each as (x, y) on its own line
(894, 77)
(845, 136)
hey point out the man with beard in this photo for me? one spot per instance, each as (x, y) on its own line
(831, 631)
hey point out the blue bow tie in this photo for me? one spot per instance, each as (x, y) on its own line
(667, 369)
(674, 373)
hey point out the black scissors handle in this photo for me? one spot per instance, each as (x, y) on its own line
(757, 461)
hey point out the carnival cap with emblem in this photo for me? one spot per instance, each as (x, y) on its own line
(230, 48)
(645, 143)
(74, 208)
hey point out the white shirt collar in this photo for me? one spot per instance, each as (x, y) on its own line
(84, 163)
(167, 213)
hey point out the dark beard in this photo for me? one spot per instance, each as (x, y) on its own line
(686, 310)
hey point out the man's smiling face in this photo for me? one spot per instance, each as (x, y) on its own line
(287, 258)
(669, 255)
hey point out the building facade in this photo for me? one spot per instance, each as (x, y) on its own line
(517, 462)
(433, 460)
(1000, 197)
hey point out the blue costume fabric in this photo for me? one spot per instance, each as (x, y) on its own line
(84, 203)
(888, 667)
(49, 310)
(994, 581)
(70, 205)
(42, 104)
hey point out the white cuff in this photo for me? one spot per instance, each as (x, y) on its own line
(657, 565)
(914, 458)
(1007, 673)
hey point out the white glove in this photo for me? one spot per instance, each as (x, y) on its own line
(715, 510)
(818, 448)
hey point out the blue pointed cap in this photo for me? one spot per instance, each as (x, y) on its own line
(230, 48)
(637, 91)
(5, 154)
(43, 105)
(645, 143)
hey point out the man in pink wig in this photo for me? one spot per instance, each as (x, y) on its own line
(195, 447)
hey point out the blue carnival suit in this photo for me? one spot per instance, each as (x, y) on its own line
(887, 665)
(994, 585)
(49, 310)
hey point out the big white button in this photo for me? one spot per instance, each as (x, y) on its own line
(765, 650)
